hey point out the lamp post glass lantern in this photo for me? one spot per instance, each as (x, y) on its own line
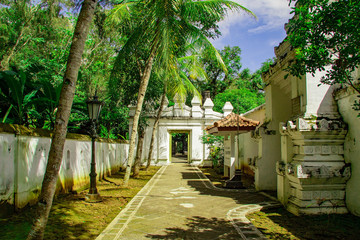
(94, 107)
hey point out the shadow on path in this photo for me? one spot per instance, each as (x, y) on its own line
(200, 228)
(240, 196)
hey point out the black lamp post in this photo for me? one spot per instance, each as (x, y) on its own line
(94, 107)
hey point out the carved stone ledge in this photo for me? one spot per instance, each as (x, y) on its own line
(301, 171)
(321, 125)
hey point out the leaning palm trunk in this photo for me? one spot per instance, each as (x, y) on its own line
(62, 118)
(145, 76)
(156, 123)
(139, 150)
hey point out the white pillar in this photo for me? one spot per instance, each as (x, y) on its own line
(227, 109)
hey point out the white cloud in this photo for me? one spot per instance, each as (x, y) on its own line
(272, 14)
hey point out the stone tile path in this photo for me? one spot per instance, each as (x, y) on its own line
(179, 202)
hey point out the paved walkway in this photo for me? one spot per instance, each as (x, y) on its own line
(179, 202)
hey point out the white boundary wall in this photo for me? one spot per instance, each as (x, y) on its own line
(23, 162)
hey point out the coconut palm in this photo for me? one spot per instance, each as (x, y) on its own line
(62, 117)
(190, 68)
(165, 26)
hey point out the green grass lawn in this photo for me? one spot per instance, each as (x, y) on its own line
(277, 223)
(73, 218)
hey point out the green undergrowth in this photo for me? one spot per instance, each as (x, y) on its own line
(73, 218)
(277, 223)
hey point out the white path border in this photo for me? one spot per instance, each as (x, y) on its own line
(208, 184)
(237, 216)
(127, 214)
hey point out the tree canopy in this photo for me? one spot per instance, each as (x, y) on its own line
(326, 37)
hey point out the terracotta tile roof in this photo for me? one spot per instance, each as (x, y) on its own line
(233, 122)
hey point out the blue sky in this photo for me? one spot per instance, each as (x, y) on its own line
(256, 38)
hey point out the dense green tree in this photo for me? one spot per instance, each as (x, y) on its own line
(246, 91)
(34, 33)
(100, 53)
(253, 81)
(46, 103)
(15, 29)
(220, 76)
(41, 52)
(326, 36)
(242, 100)
(113, 122)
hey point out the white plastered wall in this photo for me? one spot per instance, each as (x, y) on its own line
(278, 109)
(248, 145)
(351, 148)
(23, 162)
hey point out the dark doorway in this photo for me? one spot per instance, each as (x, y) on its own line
(179, 147)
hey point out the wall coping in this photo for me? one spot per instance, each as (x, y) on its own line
(38, 132)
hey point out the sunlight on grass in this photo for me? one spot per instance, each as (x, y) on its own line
(277, 223)
(73, 218)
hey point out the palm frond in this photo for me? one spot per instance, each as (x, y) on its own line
(214, 8)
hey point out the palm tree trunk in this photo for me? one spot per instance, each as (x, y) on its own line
(139, 150)
(156, 123)
(62, 118)
(140, 100)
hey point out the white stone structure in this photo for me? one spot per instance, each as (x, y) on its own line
(303, 138)
(249, 152)
(23, 162)
(181, 118)
(307, 147)
(345, 99)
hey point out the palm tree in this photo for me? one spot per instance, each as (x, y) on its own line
(62, 118)
(190, 68)
(166, 25)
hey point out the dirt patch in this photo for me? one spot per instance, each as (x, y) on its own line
(277, 223)
(73, 218)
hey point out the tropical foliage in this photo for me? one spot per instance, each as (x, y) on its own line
(36, 41)
(34, 55)
(220, 76)
(245, 91)
(326, 36)
(159, 32)
(216, 147)
(130, 53)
